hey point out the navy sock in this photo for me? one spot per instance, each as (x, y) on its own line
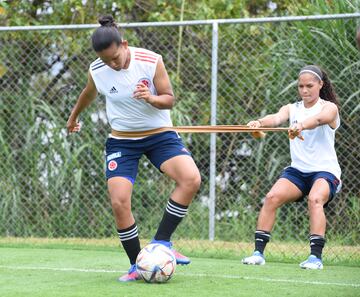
(172, 217)
(261, 239)
(129, 238)
(317, 243)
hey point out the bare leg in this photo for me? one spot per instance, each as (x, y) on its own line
(120, 190)
(283, 191)
(318, 196)
(183, 170)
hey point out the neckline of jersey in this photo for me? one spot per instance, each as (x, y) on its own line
(312, 107)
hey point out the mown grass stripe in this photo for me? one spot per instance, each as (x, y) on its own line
(265, 279)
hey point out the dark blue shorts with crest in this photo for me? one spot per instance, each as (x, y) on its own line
(123, 155)
(304, 181)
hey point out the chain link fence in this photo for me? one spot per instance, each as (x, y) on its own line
(53, 184)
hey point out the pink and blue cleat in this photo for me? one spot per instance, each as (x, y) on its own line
(131, 275)
(180, 259)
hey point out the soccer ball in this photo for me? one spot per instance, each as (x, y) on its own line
(155, 263)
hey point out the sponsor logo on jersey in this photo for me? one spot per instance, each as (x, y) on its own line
(112, 165)
(113, 156)
(113, 90)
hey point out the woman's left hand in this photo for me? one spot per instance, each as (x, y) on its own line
(142, 92)
(295, 131)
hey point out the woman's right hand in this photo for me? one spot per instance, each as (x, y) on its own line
(295, 131)
(254, 124)
(73, 125)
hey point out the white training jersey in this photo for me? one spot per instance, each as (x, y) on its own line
(317, 151)
(124, 112)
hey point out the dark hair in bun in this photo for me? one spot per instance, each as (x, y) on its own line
(107, 21)
(106, 34)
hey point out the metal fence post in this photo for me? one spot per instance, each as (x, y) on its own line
(214, 61)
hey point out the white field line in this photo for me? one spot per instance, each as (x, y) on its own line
(265, 279)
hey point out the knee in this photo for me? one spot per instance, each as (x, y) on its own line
(197, 181)
(315, 201)
(194, 181)
(120, 203)
(272, 200)
(191, 182)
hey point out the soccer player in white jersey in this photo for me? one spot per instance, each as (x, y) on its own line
(314, 169)
(139, 97)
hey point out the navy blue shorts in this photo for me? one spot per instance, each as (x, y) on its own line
(305, 181)
(123, 155)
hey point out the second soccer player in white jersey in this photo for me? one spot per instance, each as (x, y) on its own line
(314, 170)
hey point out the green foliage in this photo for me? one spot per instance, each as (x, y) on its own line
(23, 12)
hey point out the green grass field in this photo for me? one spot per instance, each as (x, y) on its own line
(45, 269)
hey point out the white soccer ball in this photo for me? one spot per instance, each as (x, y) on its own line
(155, 263)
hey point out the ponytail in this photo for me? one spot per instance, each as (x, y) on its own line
(327, 91)
(106, 34)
